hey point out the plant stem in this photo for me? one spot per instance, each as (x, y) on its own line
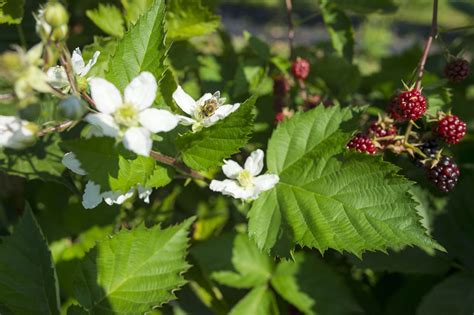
(21, 35)
(7, 97)
(407, 133)
(176, 164)
(58, 128)
(429, 41)
(291, 28)
(389, 138)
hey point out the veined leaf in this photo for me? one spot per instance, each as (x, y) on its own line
(106, 46)
(135, 8)
(207, 148)
(28, 282)
(133, 271)
(142, 48)
(260, 300)
(189, 18)
(313, 287)
(11, 11)
(326, 200)
(108, 18)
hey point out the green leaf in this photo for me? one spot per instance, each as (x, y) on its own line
(76, 310)
(134, 9)
(28, 283)
(108, 18)
(11, 11)
(341, 77)
(367, 6)
(313, 287)
(189, 18)
(253, 267)
(133, 271)
(142, 48)
(325, 200)
(106, 46)
(114, 168)
(260, 300)
(207, 148)
(340, 30)
(455, 295)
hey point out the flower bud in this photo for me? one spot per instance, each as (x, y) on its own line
(55, 14)
(60, 33)
(72, 108)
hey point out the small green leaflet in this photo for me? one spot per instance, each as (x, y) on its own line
(207, 148)
(134, 270)
(189, 18)
(142, 48)
(11, 11)
(28, 282)
(114, 168)
(260, 300)
(108, 18)
(324, 199)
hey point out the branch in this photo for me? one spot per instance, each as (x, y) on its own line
(429, 41)
(7, 97)
(58, 128)
(176, 164)
(291, 29)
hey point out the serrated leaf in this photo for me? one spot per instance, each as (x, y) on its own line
(260, 300)
(455, 295)
(339, 27)
(108, 18)
(142, 48)
(325, 200)
(135, 8)
(11, 11)
(106, 46)
(113, 167)
(160, 177)
(253, 267)
(133, 271)
(28, 282)
(207, 148)
(313, 287)
(189, 18)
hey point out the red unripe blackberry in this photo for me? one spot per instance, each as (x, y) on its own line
(451, 129)
(444, 175)
(279, 117)
(300, 68)
(281, 86)
(380, 130)
(457, 70)
(407, 105)
(362, 143)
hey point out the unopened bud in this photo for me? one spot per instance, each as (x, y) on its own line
(59, 33)
(72, 108)
(55, 14)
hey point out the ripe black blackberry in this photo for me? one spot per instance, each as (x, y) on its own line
(457, 70)
(444, 174)
(430, 148)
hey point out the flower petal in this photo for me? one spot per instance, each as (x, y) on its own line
(221, 113)
(144, 193)
(138, 140)
(106, 96)
(231, 188)
(57, 77)
(92, 197)
(116, 197)
(185, 121)
(71, 162)
(184, 101)
(231, 169)
(90, 64)
(254, 163)
(158, 120)
(266, 182)
(105, 122)
(141, 92)
(77, 61)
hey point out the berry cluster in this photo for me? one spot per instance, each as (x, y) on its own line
(398, 132)
(457, 70)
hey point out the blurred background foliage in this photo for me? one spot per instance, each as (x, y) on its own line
(248, 49)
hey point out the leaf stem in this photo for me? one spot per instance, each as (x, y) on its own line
(291, 28)
(58, 128)
(168, 160)
(429, 41)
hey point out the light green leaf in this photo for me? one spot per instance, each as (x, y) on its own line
(324, 200)
(260, 300)
(106, 46)
(28, 282)
(11, 11)
(133, 271)
(142, 48)
(253, 267)
(455, 295)
(189, 18)
(207, 148)
(339, 27)
(134, 9)
(313, 287)
(108, 18)
(367, 6)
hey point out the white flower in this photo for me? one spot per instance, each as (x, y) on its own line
(130, 119)
(92, 193)
(204, 112)
(244, 182)
(57, 76)
(16, 133)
